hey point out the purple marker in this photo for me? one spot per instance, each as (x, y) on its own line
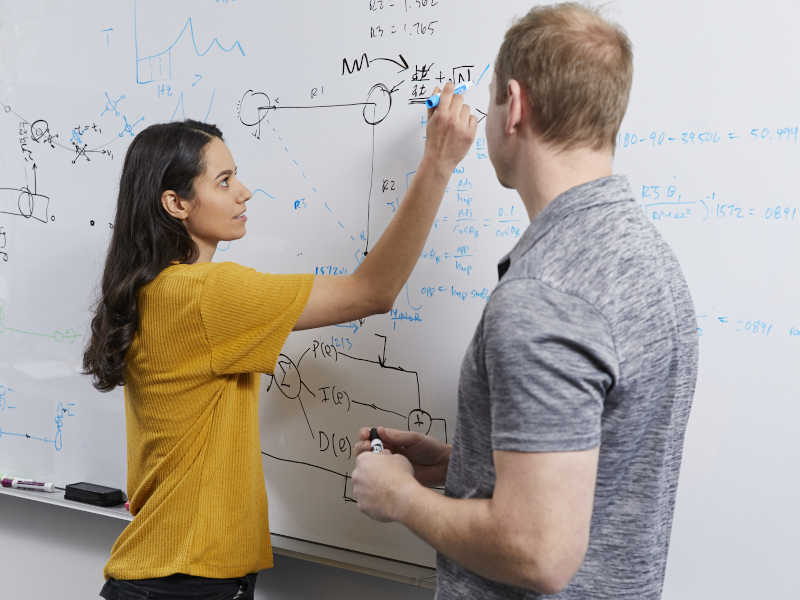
(26, 484)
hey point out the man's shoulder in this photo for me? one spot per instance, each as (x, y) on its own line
(600, 248)
(595, 251)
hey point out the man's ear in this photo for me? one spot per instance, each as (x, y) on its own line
(175, 205)
(516, 107)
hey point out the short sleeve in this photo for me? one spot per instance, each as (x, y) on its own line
(550, 362)
(248, 315)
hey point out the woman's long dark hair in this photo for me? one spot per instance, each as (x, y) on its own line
(146, 239)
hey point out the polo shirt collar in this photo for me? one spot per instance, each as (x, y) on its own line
(603, 191)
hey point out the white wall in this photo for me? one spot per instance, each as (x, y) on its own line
(60, 553)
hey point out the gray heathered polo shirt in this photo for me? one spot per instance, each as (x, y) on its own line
(590, 338)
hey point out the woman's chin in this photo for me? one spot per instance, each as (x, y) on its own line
(237, 235)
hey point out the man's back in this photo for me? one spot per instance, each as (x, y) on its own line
(575, 391)
(589, 339)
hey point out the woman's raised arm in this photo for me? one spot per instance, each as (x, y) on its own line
(372, 289)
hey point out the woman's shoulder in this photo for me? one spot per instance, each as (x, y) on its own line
(228, 275)
(183, 271)
(201, 270)
(201, 274)
(178, 278)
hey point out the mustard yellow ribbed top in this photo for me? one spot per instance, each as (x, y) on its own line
(195, 479)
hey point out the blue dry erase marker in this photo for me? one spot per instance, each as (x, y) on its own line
(433, 101)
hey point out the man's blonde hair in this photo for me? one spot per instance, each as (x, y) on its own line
(577, 70)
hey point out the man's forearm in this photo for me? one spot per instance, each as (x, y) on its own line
(431, 474)
(469, 533)
(533, 532)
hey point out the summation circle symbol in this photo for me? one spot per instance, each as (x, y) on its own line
(287, 377)
(419, 421)
(379, 103)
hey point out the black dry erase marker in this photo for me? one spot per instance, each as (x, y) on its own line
(375, 441)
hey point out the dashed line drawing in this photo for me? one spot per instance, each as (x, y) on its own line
(255, 108)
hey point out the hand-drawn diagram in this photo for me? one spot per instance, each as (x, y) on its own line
(7, 396)
(336, 389)
(25, 203)
(3, 243)
(178, 62)
(255, 108)
(111, 105)
(330, 383)
(33, 137)
(174, 62)
(22, 201)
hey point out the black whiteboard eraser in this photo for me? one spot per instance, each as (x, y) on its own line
(90, 493)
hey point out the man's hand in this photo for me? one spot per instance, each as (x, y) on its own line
(379, 484)
(428, 456)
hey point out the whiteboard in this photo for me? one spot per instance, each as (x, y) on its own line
(319, 103)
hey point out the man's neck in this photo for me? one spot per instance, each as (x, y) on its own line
(544, 173)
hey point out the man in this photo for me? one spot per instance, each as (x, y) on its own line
(576, 388)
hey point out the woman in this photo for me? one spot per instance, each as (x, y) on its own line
(188, 339)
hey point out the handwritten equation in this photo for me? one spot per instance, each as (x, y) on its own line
(405, 17)
(707, 139)
(663, 202)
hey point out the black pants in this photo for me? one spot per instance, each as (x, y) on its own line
(181, 587)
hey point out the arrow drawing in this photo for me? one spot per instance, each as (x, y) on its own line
(403, 66)
(363, 62)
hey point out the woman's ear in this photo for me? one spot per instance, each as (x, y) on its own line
(175, 205)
